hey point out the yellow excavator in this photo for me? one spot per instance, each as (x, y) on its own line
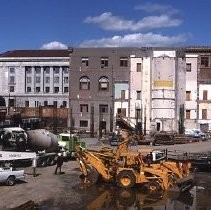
(126, 168)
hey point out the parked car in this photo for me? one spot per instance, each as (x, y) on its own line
(115, 139)
(195, 133)
(9, 175)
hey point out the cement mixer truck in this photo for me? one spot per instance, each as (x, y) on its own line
(46, 144)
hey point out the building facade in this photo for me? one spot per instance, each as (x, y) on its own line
(198, 88)
(147, 89)
(33, 78)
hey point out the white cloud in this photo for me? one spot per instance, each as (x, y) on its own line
(54, 46)
(114, 23)
(137, 40)
(151, 7)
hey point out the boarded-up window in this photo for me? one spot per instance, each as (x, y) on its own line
(122, 94)
(103, 108)
(123, 62)
(84, 108)
(205, 61)
(204, 113)
(83, 123)
(204, 94)
(188, 67)
(138, 69)
(121, 112)
(138, 93)
(187, 114)
(188, 95)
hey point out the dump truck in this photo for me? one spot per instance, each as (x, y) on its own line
(43, 142)
(127, 168)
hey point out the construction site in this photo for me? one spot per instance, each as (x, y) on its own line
(112, 177)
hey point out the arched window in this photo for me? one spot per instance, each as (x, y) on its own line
(104, 84)
(84, 83)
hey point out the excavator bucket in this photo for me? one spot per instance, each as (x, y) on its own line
(89, 173)
(183, 184)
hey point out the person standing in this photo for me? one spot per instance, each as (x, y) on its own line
(59, 163)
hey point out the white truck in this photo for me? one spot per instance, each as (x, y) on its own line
(42, 142)
(9, 175)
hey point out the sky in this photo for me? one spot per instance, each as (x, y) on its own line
(59, 24)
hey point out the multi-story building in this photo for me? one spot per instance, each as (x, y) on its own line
(149, 89)
(198, 88)
(33, 78)
(99, 87)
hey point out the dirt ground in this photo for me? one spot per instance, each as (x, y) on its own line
(63, 191)
(44, 188)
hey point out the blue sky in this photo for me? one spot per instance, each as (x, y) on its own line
(57, 24)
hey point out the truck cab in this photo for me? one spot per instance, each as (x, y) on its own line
(69, 143)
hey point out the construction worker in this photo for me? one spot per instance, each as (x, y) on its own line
(59, 163)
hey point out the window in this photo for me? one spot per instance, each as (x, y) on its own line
(28, 89)
(204, 114)
(55, 103)
(56, 69)
(66, 80)
(84, 108)
(37, 89)
(28, 79)
(47, 89)
(26, 103)
(188, 67)
(12, 70)
(104, 62)
(37, 79)
(46, 69)
(45, 103)
(85, 61)
(103, 83)
(37, 103)
(65, 69)
(84, 83)
(47, 79)
(205, 61)
(138, 67)
(56, 89)
(122, 94)
(123, 62)
(188, 95)
(204, 94)
(12, 79)
(37, 69)
(64, 104)
(12, 88)
(66, 89)
(187, 114)
(103, 108)
(138, 95)
(56, 79)
(28, 69)
(83, 123)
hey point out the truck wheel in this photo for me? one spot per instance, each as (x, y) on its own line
(126, 179)
(50, 161)
(10, 181)
(153, 187)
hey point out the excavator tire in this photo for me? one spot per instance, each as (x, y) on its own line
(92, 175)
(125, 179)
(153, 187)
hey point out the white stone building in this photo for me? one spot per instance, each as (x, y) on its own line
(33, 78)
